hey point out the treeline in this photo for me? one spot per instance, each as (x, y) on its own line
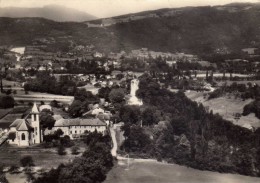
(46, 83)
(245, 91)
(91, 167)
(188, 134)
(86, 66)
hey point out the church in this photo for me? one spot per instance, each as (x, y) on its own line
(27, 131)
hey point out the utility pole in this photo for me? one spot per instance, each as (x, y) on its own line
(1, 78)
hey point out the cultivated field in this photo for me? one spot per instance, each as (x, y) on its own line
(227, 107)
(156, 172)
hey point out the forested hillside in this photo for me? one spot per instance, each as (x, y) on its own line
(187, 133)
(200, 30)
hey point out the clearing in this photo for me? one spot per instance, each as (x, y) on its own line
(227, 107)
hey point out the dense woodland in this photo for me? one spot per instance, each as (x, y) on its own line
(186, 30)
(187, 133)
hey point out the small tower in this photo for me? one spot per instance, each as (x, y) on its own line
(35, 123)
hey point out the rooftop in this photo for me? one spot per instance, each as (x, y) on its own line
(79, 122)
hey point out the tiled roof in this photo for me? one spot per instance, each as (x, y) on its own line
(21, 125)
(57, 117)
(16, 122)
(79, 122)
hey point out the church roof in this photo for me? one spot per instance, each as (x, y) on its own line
(79, 122)
(34, 108)
(21, 125)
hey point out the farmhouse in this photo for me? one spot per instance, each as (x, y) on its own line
(75, 127)
(26, 132)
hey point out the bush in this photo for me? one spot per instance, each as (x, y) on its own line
(14, 169)
(27, 161)
(61, 150)
(75, 150)
(66, 142)
(6, 101)
(11, 136)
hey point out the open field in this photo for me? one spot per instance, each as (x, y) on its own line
(43, 157)
(227, 107)
(156, 172)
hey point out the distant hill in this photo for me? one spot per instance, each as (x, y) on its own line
(52, 12)
(198, 30)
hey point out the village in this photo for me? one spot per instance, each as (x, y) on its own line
(57, 99)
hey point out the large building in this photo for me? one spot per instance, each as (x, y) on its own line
(26, 131)
(75, 127)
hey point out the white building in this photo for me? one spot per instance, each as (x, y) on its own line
(75, 127)
(27, 131)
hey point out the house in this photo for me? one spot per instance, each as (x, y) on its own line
(26, 131)
(46, 107)
(76, 127)
(249, 51)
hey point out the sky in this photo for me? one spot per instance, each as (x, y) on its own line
(109, 8)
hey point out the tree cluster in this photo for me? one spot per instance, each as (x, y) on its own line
(189, 134)
(91, 167)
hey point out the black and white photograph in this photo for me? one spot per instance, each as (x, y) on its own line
(129, 91)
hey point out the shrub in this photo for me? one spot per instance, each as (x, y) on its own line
(66, 142)
(11, 136)
(75, 150)
(61, 150)
(14, 169)
(27, 161)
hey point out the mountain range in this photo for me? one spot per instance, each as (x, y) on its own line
(198, 30)
(52, 12)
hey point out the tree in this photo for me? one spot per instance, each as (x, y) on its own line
(137, 141)
(65, 141)
(130, 114)
(75, 109)
(61, 150)
(104, 92)
(54, 103)
(12, 136)
(58, 132)
(46, 119)
(2, 175)
(6, 101)
(27, 161)
(75, 150)
(148, 116)
(117, 95)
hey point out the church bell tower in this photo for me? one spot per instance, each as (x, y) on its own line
(35, 123)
